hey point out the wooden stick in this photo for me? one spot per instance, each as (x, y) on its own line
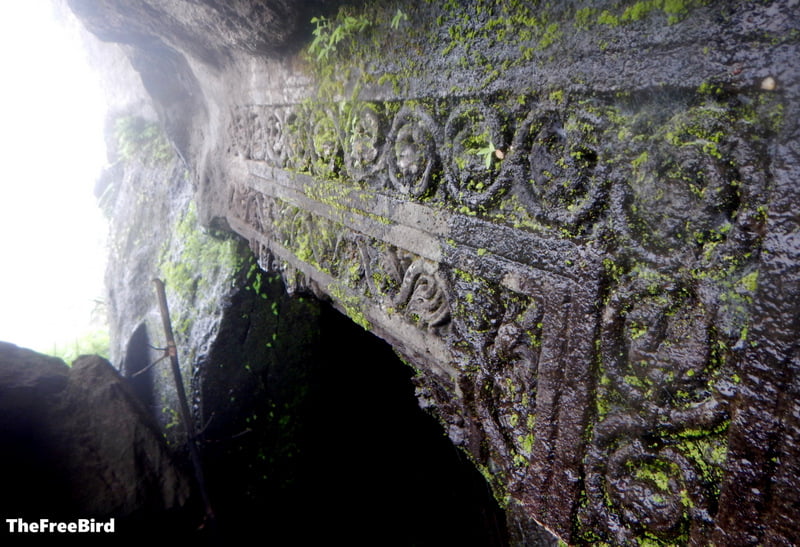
(183, 405)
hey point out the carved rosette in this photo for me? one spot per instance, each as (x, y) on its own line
(365, 135)
(278, 141)
(324, 143)
(473, 152)
(412, 158)
(556, 158)
(688, 193)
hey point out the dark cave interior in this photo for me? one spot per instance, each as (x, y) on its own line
(361, 462)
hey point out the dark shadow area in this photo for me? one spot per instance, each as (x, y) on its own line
(379, 469)
(29, 470)
(137, 359)
(324, 442)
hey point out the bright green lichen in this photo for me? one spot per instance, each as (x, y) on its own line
(353, 305)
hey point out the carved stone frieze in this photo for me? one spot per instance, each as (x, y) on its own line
(364, 141)
(657, 450)
(556, 154)
(473, 148)
(547, 274)
(422, 295)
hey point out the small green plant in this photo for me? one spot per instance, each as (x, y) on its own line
(398, 18)
(487, 152)
(329, 33)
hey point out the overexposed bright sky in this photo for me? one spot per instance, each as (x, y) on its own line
(51, 153)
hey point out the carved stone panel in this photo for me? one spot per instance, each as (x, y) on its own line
(573, 289)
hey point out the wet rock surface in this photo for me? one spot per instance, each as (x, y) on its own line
(578, 223)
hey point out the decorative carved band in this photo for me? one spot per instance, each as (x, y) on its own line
(538, 259)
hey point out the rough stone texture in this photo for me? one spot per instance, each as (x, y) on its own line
(76, 443)
(578, 223)
(154, 233)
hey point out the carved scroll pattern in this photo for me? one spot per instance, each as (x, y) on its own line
(422, 294)
(498, 349)
(523, 364)
(672, 196)
(506, 386)
(693, 196)
(658, 449)
(671, 329)
(398, 279)
(248, 205)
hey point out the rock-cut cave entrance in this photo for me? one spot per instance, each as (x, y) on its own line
(332, 445)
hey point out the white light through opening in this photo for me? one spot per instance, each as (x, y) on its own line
(51, 143)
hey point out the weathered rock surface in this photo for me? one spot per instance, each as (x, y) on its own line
(75, 442)
(282, 431)
(577, 222)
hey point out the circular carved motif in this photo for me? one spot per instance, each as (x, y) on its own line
(411, 158)
(364, 141)
(325, 144)
(662, 387)
(556, 155)
(474, 148)
(278, 142)
(687, 193)
(423, 294)
(656, 344)
(639, 489)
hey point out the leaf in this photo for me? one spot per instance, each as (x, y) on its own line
(487, 152)
(399, 16)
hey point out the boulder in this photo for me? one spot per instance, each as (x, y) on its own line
(76, 443)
